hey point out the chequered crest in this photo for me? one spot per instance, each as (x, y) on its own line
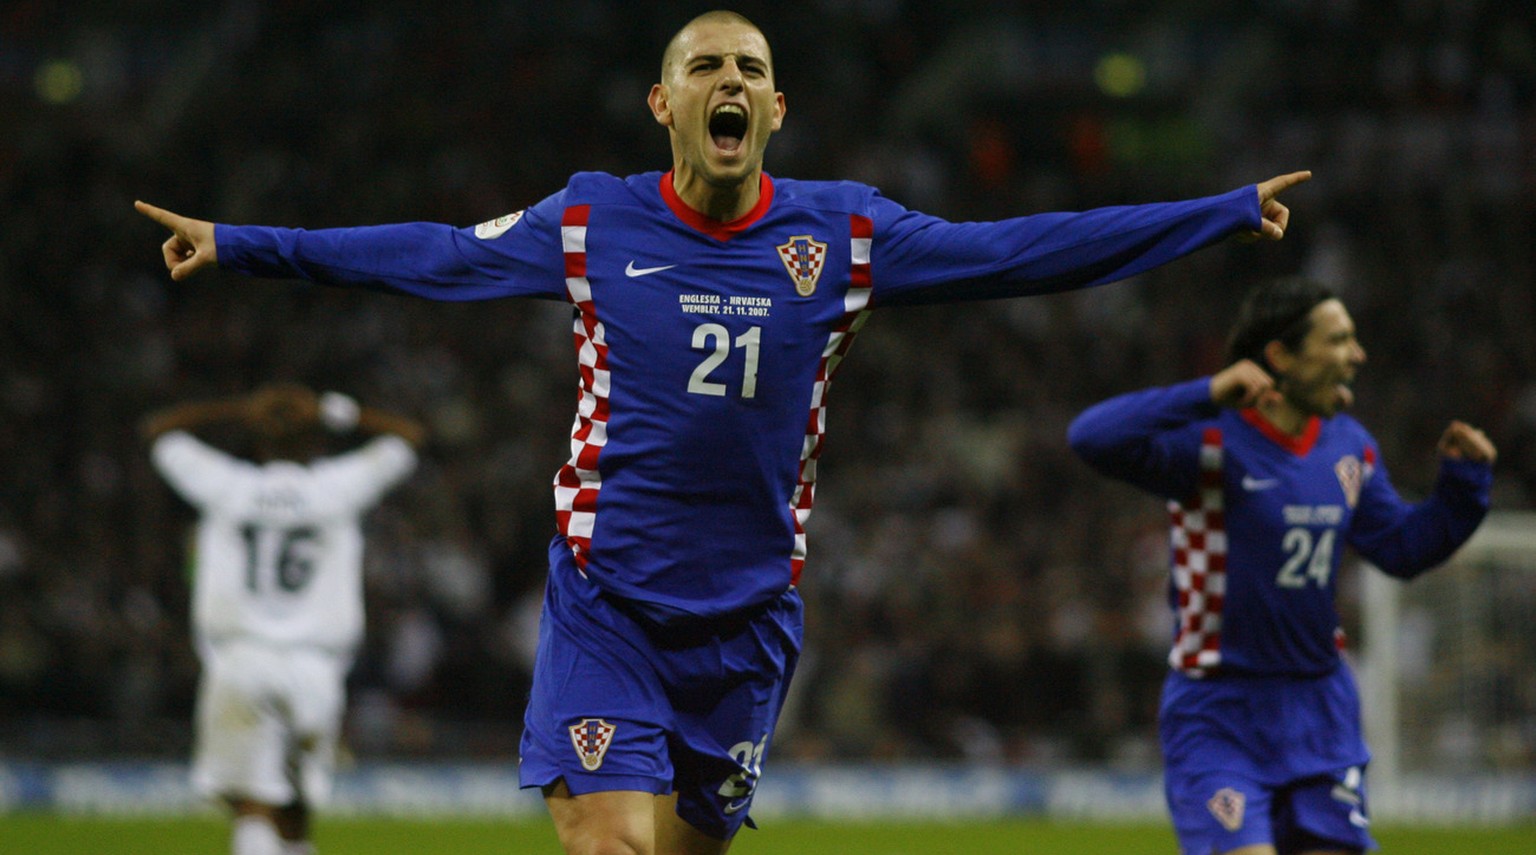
(803, 257)
(592, 736)
(1227, 805)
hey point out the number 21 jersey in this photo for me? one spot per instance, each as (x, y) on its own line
(706, 349)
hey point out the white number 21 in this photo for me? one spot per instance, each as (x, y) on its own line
(716, 339)
(1307, 560)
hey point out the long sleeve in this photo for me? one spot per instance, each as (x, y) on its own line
(1142, 437)
(918, 258)
(430, 260)
(1405, 539)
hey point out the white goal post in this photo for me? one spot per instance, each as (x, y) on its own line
(1447, 663)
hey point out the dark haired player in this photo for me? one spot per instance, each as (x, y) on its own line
(1267, 481)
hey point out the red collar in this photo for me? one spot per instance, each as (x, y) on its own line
(714, 228)
(1297, 445)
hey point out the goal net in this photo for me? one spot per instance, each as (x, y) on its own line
(1448, 661)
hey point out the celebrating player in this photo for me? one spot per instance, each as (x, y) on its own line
(278, 601)
(713, 305)
(1267, 481)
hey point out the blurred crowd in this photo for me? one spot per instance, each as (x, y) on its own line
(973, 590)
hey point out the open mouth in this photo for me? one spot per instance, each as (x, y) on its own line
(728, 126)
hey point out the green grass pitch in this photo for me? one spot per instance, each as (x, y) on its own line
(52, 834)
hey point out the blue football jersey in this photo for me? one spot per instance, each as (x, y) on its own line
(1260, 520)
(706, 349)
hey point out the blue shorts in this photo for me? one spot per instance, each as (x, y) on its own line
(1254, 760)
(620, 703)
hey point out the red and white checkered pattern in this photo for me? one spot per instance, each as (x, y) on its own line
(855, 311)
(1199, 538)
(578, 481)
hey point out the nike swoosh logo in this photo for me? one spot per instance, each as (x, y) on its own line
(1253, 485)
(632, 271)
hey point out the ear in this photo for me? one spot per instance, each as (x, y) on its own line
(661, 109)
(1279, 357)
(778, 110)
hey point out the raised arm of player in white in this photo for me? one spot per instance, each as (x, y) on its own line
(190, 247)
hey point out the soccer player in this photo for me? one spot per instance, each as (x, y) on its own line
(1266, 481)
(277, 607)
(712, 306)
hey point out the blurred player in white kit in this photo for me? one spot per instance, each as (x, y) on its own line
(277, 607)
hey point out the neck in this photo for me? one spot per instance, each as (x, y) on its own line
(1284, 416)
(723, 203)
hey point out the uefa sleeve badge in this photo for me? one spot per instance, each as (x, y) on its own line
(497, 227)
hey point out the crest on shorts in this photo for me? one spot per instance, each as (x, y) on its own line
(803, 257)
(592, 736)
(1227, 806)
(1351, 476)
(497, 227)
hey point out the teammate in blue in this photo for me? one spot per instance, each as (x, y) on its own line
(1266, 481)
(713, 305)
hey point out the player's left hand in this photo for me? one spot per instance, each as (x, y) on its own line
(1273, 216)
(1462, 441)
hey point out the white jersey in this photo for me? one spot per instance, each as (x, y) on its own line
(279, 552)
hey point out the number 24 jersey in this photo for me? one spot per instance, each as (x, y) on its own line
(1260, 520)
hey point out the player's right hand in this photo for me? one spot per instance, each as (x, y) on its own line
(1241, 384)
(190, 247)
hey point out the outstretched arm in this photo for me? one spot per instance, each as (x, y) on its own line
(522, 257)
(917, 258)
(190, 247)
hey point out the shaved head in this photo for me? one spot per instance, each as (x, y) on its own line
(669, 57)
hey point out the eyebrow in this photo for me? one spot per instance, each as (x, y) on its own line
(741, 58)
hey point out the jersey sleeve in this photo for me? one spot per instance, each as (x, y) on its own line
(519, 255)
(1405, 539)
(194, 469)
(354, 481)
(917, 258)
(1145, 438)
